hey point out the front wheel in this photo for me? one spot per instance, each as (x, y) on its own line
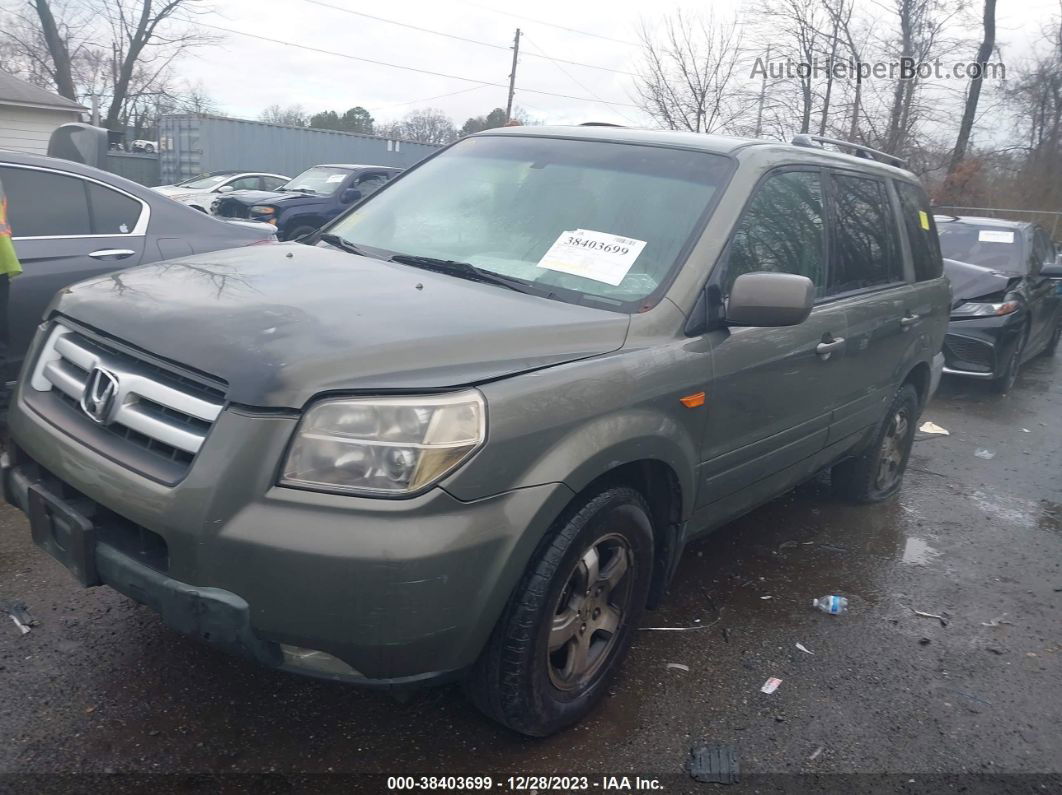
(1052, 344)
(1006, 378)
(569, 623)
(878, 473)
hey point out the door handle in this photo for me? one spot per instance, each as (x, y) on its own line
(824, 349)
(909, 320)
(112, 253)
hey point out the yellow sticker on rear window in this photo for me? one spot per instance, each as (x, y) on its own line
(923, 217)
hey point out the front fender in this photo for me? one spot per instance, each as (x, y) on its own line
(573, 423)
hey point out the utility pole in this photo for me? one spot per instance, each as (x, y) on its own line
(763, 95)
(512, 78)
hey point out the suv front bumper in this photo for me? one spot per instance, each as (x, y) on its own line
(377, 592)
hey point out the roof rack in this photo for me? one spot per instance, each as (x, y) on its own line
(858, 150)
(600, 124)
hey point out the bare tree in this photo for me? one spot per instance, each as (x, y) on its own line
(687, 80)
(426, 125)
(62, 68)
(292, 115)
(973, 93)
(147, 37)
(795, 29)
(846, 38)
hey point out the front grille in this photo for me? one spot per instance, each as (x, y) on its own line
(963, 353)
(230, 208)
(150, 409)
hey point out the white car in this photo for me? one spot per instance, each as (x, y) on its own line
(199, 192)
(141, 145)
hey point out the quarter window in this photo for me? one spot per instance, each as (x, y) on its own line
(45, 204)
(921, 231)
(781, 230)
(865, 251)
(113, 213)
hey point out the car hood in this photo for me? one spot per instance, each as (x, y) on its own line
(285, 198)
(169, 190)
(973, 281)
(283, 323)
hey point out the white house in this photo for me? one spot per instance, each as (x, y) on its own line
(29, 114)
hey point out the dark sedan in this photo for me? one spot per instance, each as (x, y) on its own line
(71, 222)
(1005, 309)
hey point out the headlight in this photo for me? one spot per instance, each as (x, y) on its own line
(976, 309)
(385, 446)
(263, 209)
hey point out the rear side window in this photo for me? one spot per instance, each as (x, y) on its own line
(866, 250)
(921, 231)
(113, 213)
(781, 230)
(45, 204)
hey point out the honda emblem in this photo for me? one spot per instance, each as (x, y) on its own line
(98, 398)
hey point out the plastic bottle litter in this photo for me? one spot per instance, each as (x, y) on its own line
(834, 605)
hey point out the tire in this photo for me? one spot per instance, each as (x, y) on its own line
(300, 231)
(1052, 344)
(877, 474)
(517, 680)
(1005, 380)
(149, 149)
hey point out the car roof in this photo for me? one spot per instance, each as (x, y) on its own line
(974, 220)
(705, 142)
(72, 167)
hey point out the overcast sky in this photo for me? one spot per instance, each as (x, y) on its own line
(244, 75)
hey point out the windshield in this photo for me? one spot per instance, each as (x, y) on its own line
(993, 247)
(322, 180)
(204, 181)
(586, 220)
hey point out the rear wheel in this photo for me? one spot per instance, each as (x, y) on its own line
(1006, 378)
(569, 623)
(877, 474)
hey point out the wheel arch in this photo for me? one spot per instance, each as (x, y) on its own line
(920, 377)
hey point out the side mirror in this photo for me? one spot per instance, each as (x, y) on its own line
(350, 195)
(226, 189)
(770, 299)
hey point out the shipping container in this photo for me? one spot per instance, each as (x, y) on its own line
(193, 144)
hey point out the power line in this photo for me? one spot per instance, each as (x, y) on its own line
(551, 24)
(427, 99)
(455, 37)
(402, 67)
(571, 77)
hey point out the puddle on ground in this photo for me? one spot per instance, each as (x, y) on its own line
(1050, 516)
(917, 552)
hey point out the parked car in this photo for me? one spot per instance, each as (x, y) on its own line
(1005, 308)
(466, 430)
(73, 222)
(313, 198)
(200, 192)
(147, 147)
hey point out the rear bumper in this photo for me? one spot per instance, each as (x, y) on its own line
(376, 592)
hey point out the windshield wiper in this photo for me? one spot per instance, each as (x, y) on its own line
(464, 270)
(296, 190)
(343, 243)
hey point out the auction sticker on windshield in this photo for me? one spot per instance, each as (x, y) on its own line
(592, 255)
(995, 236)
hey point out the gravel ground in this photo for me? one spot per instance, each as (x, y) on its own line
(886, 699)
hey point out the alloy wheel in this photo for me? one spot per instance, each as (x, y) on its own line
(892, 451)
(590, 612)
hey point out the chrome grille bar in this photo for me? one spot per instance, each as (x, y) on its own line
(143, 404)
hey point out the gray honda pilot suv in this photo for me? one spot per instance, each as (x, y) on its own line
(466, 430)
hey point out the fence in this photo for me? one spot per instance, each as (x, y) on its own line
(137, 167)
